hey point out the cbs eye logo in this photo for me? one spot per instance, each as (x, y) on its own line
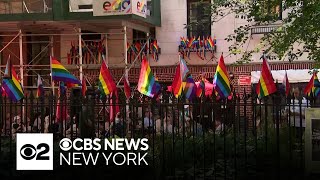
(29, 152)
(34, 151)
(65, 144)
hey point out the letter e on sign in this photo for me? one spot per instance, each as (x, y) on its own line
(138, 5)
(106, 5)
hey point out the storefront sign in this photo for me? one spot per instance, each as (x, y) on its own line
(244, 80)
(139, 7)
(119, 7)
(111, 7)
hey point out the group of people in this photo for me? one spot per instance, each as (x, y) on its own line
(151, 117)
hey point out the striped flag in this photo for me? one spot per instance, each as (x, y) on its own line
(40, 90)
(177, 83)
(106, 83)
(313, 86)
(114, 107)
(11, 84)
(127, 90)
(60, 73)
(221, 81)
(156, 89)
(316, 87)
(184, 69)
(190, 88)
(286, 84)
(61, 115)
(7, 72)
(146, 83)
(84, 87)
(258, 88)
(201, 87)
(267, 85)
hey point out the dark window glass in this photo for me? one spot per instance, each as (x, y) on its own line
(199, 19)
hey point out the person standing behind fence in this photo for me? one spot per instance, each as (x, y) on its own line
(296, 118)
(148, 121)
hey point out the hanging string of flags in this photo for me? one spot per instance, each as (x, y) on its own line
(200, 45)
(134, 49)
(92, 52)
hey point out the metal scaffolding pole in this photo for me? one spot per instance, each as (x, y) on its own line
(148, 45)
(10, 41)
(106, 46)
(21, 57)
(134, 61)
(52, 55)
(80, 55)
(125, 50)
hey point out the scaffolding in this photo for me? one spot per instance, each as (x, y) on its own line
(49, 48)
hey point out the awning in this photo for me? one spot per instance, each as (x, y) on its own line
(294, 76)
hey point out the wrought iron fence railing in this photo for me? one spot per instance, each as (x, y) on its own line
(208, 138)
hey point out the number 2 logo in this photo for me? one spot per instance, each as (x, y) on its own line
(29, 152)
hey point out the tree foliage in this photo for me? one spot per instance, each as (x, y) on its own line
(297, 30)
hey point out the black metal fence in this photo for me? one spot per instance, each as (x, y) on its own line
(209, 138)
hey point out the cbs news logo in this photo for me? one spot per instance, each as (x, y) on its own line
(34, 151)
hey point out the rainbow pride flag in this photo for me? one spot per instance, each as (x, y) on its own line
(155, 46)
(266, 83)
(146, 84)
(157, 87)
(210, 42)
(177, 83)
(183, 42)
(60, 73)
(106, 83)
(312, 86)
(221, 81)
(12, 86)
(184, 69)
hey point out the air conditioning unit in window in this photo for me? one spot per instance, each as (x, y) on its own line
(80, 5)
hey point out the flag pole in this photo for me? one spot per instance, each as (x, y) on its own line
(52, 54)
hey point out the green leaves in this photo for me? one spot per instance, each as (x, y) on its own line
(297, 34)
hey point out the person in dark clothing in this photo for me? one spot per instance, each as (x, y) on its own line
(86, 125)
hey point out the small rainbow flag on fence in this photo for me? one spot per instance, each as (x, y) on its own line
(60, 73)
(12, 86)
(106, 83)
(221, 81)
(146, 83)
(266, 83)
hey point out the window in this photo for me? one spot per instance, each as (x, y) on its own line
(199, 20)
(269, 10)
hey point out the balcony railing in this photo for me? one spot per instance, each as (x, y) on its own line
(25, 6)
(264, 29)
